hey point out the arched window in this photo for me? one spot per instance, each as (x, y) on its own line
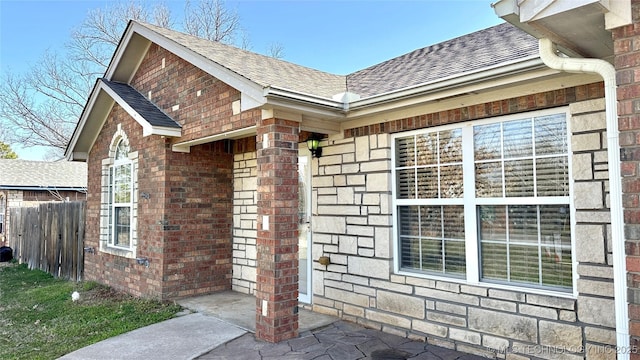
(120, 197)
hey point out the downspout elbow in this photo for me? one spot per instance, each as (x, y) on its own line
(608, 74)
(548, 55)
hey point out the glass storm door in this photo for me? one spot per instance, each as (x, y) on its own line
(304, 226)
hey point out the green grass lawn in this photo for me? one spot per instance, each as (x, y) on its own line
(38, 319)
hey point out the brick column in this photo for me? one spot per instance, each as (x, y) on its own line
(277, 242)
(627, 63)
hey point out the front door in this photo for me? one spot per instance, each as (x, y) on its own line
(304, 226)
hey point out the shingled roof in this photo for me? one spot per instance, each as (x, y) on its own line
(263, 70)
(150, 112)
(494, 46)
(483, 49)
(27, 174)
(267, 81)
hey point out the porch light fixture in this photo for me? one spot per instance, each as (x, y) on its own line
(313, 144)
(143, 261)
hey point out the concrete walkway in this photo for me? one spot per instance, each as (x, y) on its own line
(222, 327)
(184, 337)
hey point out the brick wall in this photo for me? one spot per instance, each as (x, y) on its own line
(39, 196)
(277, 240)
(184, 224)
(627, 64)
(116, 271)
(197, 221)
(353, 226)
(201, 103)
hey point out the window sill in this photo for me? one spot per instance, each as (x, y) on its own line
(129, 253)
(489, 285)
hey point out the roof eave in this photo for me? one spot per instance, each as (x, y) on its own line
(80, 128)
(147, 127)
(558, 21)
(452, 82)
(305, 103)
(252, 92)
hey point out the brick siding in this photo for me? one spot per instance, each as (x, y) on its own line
(627, 64)
(277, 242)
(184, 226)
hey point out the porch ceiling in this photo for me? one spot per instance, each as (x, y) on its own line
(578, 27)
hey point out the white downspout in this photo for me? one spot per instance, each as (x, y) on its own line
(608, 73)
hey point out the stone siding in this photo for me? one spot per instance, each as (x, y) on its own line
(353, 226)
(245, 222)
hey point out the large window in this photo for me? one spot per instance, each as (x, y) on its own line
(120, 197)
(486, 202)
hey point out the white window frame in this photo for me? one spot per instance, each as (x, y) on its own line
(107, 208)
(113, 205)
(470, 203)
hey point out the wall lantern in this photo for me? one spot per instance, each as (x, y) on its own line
(143, 260)
(313, 144)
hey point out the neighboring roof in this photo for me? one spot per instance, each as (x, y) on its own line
(17, 174)
(140, 104)
(486, 48)
(263, 70)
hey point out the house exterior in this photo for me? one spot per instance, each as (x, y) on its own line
(26, 183)
(464, 195)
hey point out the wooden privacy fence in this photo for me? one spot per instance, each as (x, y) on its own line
(50, 237)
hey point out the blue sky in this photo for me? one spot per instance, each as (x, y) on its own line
(334, 36)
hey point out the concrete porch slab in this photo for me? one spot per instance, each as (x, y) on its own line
(240, 310)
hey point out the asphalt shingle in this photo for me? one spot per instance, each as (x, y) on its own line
(486, 48)
(17, 173)
(263, 70)
(151, 113)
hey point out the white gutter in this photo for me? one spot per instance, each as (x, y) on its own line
(608, 73)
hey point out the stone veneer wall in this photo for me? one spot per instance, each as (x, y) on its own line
(353, 227)
(245, 222)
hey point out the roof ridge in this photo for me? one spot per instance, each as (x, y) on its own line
(159, 29)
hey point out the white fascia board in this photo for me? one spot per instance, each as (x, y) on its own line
(119, 52)
(247, 102)
(161, 130)
(320, 126)
(482, 75)
(185, 146)
(78, 156)
(619, 14)
(70, 150)
(247, 87)
(272, 91)
(306, 104)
